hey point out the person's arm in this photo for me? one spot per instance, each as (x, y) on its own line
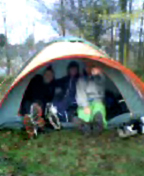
(59, 83)
(35, 81)
(58, 93)
(81, 96)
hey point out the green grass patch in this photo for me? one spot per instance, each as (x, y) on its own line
(69, 153)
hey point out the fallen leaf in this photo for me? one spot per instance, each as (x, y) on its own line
(8, 133)
(84, 169)
(11, 170)
(5, 148)
(120, 171)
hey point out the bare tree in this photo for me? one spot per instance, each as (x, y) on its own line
(4, 14)
(76, 17)
(122, 36)
(140, 49)
(128, 32)
(6, 50)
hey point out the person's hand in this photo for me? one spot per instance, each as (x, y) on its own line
(96, 71)
(87, 110)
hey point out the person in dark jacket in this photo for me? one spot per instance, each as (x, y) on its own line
(67, 90)
(40, 90)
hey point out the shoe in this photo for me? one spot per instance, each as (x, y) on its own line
(29, 126)
(34, 121)
(36, 115)
(86, 129)
(51, 116)
(98, 125)
(54, 121)
(35, 110)
(126, 131)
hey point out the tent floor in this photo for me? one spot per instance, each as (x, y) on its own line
(113, 123)
(68, 125)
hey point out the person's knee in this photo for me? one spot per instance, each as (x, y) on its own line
(37, 108)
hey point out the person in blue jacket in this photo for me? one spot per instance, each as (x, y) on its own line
(66, 90)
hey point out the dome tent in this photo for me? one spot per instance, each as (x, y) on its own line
(130, 87)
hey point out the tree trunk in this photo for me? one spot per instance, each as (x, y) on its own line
(143, 45)
(80, 8)
(121, 42)
(8, 62)
(140, 50)
(128, 32)
(112, 40)
(122, 35)
(6, 50)
(63, 30)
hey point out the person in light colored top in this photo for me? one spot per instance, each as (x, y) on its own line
(90, 94)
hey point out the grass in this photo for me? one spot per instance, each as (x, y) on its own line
(69, 153)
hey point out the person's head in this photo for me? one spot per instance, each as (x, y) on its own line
(93, 70)
(73, 69)
(48, 74)
(96, 71)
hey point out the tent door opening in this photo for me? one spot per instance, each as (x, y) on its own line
(114, 102)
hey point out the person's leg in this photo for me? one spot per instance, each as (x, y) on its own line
(98, 108)
(62, 106)
(83, 121)
(34, 118)
(25, 108)
(83, 116)
(98, 117)
(52, 116)
(36, 109)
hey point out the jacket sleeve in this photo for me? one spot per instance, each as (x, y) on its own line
(60, 83)
(81, 96)
(35, 81)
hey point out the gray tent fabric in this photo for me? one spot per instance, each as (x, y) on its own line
(131, 96)
(119, 120)
(13, 122)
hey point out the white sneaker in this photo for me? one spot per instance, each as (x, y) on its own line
(127, 132)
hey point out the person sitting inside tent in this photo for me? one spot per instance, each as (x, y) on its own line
(90, 95)
(40, 90)
(66, 97)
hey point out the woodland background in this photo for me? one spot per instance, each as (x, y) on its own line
(117, 26)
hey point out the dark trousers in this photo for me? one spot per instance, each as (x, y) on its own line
(62, 107)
